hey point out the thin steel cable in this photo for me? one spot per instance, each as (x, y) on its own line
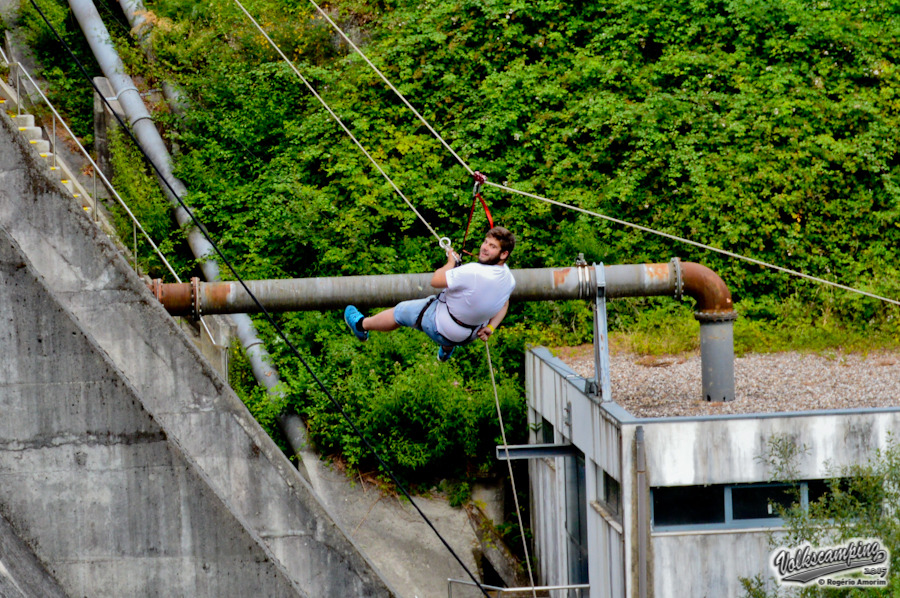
(512, 479)
(265, 313)
(611, 219)
(697, 244)
(394, 89)
(337, 119)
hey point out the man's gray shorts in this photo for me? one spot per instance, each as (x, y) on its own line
(407, 312)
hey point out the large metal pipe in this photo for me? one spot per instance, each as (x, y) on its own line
(99, 40)
(386, 290)
(141, 27)
(713, 307)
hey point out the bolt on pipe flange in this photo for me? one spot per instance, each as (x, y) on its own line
(715, 316)
(679, 281)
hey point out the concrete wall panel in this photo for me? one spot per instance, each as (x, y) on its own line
(127, 465)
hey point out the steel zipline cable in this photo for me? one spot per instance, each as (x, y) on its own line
(265, 313)
(466, 166)
(394, 89)
(696, 244)
(646, 229)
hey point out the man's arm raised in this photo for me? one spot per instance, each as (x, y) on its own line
(439, 278)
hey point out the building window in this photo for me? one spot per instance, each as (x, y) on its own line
(761, 501)
(729, 506)
(688, 505)
(612, 494)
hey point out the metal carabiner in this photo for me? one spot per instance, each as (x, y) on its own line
(445, 245)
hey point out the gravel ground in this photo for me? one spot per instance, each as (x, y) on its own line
(660, 386)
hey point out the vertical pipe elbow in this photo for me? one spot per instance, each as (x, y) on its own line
(709, 291)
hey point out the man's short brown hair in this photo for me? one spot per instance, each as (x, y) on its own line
(504, 237)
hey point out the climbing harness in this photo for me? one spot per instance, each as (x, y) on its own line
(472, 328)
(480, 180)
(422, 313)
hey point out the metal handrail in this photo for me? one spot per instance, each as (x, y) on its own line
(96, 169)
(450, 583)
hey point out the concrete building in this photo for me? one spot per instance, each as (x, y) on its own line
(668, 507)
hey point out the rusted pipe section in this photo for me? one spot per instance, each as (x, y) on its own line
(716, 315)
(177, 298)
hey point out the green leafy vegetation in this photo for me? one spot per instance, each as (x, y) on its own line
(68, 91)
(861, 502)
(766, 129)
(429, 420)
(142, 194)
(264, 407)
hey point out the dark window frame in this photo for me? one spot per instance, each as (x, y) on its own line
(728, 520)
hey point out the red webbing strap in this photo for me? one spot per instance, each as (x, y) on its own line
(486, 211)
(479, 180)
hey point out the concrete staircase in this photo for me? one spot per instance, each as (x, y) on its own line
(41, 142)
(35, 136)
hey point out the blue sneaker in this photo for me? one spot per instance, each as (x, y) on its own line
(353, 317)
(445, 353)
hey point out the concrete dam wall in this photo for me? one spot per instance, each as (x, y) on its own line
(127, 466)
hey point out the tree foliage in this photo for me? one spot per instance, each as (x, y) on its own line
(763, 128)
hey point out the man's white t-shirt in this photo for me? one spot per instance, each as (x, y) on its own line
(474, 294)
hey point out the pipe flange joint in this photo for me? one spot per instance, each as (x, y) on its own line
(195, 296)
(709, 317)
(156, 288)
(679, 280)
(585, 285)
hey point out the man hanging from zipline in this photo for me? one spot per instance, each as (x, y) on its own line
(473, 303)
